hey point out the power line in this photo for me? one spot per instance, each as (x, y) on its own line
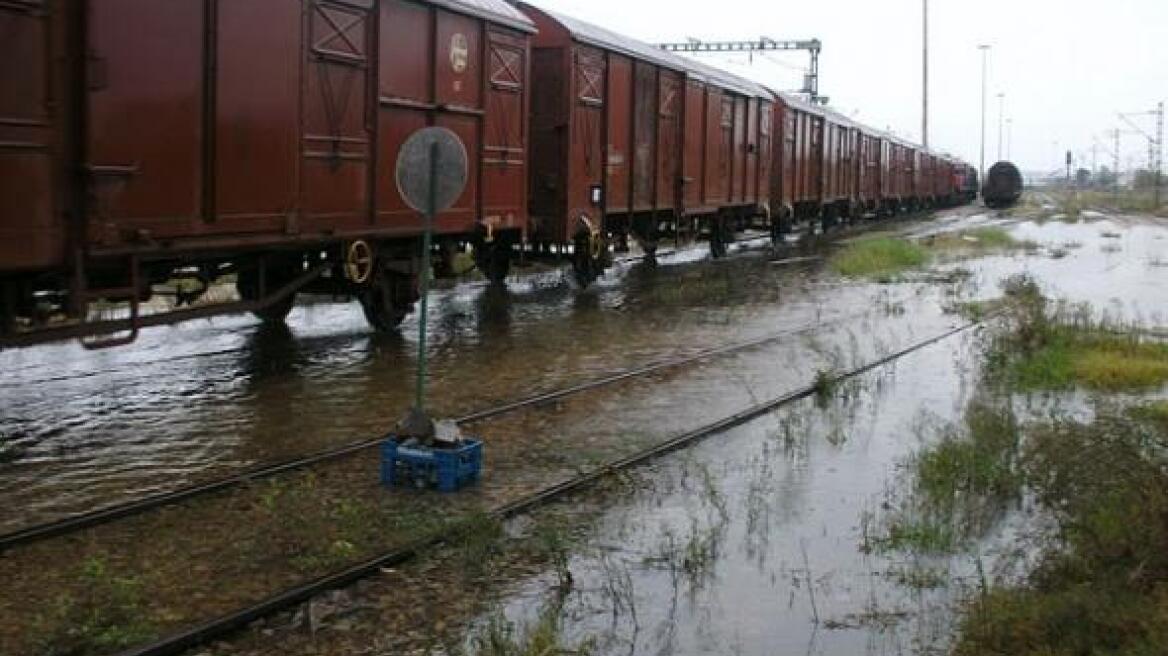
(762, 44)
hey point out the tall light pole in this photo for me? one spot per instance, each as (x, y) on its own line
(1001, 120)
(1009, 136)
(925, 79)
(985, 51)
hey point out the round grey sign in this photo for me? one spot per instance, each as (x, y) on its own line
(435, 157)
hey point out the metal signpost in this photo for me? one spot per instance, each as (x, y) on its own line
(431, 175)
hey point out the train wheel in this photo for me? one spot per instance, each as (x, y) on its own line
(587, 265)
(248, 285)
(645, 232)
(384, 303)
(777, 232)
(826, 218)
(720, 237)
(494, 259)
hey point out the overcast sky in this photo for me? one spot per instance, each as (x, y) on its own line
(1067, 67)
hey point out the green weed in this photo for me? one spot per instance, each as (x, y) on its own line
(960, 484)
(878, 258)
(987, 238)
(544, 637)
(825, 384)
(1100, 587)
(1042, 345)
(111, 615)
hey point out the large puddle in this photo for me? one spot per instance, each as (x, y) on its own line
(763, 539)
(81, 429)
(755, 541)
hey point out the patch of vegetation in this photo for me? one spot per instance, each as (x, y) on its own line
(479, 539)
(879, 258)
(1055, 346)
(110, 616)
(1155, 412)
(825, 384)
(1100, 587)
(318, 532)
(976, 311)
(987, 238)
(920, 578)
(960, 484)
(544, 637)
(1136, 202)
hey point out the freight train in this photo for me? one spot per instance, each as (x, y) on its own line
(149, 149)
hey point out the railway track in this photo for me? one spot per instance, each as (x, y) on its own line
(201, 634)
(76, 523)
(141, 505)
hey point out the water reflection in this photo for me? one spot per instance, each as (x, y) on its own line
(233, 392)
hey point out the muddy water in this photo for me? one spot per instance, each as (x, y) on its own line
(751, 543)
(194, 401)
(87, 428)
(754, 542)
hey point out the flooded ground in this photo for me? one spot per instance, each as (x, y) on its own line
(754, 539)
(754, 542)
(763, 539)
(82, 429)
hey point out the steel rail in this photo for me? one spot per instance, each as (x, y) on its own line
(141, 505)
(200, 634)
(73, 523)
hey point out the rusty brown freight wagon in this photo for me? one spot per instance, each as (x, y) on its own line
(143, 141)
(797, 178)
(631, 141)
(728, 159)
(899, 192)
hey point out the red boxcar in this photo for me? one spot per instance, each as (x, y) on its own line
(727, 170)
(827, 166)
(606, 138)
(869, 194)
(629, 140)
(143, 140)
(797, 179)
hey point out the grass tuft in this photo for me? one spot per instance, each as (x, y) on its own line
(1100, 585)
(1045, 346)
(878, 258)
(960, 484)
(110, 616)
(987, 238)
(1154, 412)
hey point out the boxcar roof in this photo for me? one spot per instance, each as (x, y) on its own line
(600, 37)
(496, 11)
(791, 100)
(726, 79)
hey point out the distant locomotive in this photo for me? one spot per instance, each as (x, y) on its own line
(1003, 186)
(151, 148)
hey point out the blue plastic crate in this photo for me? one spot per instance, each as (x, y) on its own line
(421, 466)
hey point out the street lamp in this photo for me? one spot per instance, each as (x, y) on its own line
(985, 51)
(925, 78)
(1001, 120)
(1009, 136)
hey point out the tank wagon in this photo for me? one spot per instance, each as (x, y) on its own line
(1003, 185)
(145, 143)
